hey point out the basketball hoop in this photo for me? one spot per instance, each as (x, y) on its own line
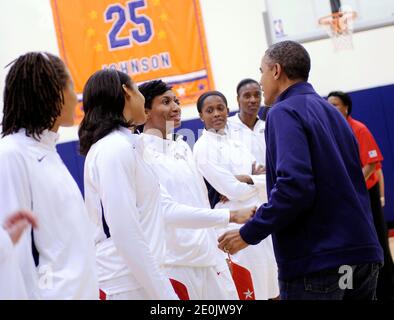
(339, 26)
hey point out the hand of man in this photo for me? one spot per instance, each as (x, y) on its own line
(17, 222)
(231, 242)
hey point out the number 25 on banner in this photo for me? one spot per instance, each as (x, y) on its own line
(119, 15)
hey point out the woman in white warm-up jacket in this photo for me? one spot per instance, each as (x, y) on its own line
(230, 169)
(57, 260)
(192, 255)
(122, 194)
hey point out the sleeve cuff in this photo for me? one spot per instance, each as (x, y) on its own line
(251, 234)
(224, 219)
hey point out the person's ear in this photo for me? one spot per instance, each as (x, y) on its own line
(228, 110)
(148, 113)
(126, 91)
(277, 71)
(200, 114)
(238, 99)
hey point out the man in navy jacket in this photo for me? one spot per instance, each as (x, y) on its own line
(318, 210)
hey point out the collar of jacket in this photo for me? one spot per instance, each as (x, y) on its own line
(298, 88)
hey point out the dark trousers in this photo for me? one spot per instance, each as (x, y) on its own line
(385, 288)
(359, 284)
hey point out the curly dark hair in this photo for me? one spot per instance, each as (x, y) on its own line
(33, 93)
(103, 104)
(292, 57)
(152, 89)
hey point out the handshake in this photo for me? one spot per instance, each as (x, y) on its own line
(242, 216)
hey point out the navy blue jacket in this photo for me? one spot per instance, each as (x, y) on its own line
(318, 210)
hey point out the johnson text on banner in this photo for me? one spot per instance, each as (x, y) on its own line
(148, 39)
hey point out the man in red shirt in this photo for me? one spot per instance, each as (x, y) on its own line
(370, 154)
(370, 157)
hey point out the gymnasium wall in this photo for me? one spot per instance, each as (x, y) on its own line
(236, 41)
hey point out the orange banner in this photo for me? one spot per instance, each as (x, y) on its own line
(148, 39)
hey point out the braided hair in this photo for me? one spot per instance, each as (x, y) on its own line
(33, 93)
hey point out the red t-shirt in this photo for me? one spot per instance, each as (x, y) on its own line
(368, 148)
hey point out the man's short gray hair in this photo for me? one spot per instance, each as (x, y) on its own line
(292, 57)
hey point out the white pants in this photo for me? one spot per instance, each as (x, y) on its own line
(260, 261)
(11, 280)
(137, 294)
(205, 283)
(11, 283)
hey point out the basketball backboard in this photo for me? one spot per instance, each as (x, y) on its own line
(298, 19)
